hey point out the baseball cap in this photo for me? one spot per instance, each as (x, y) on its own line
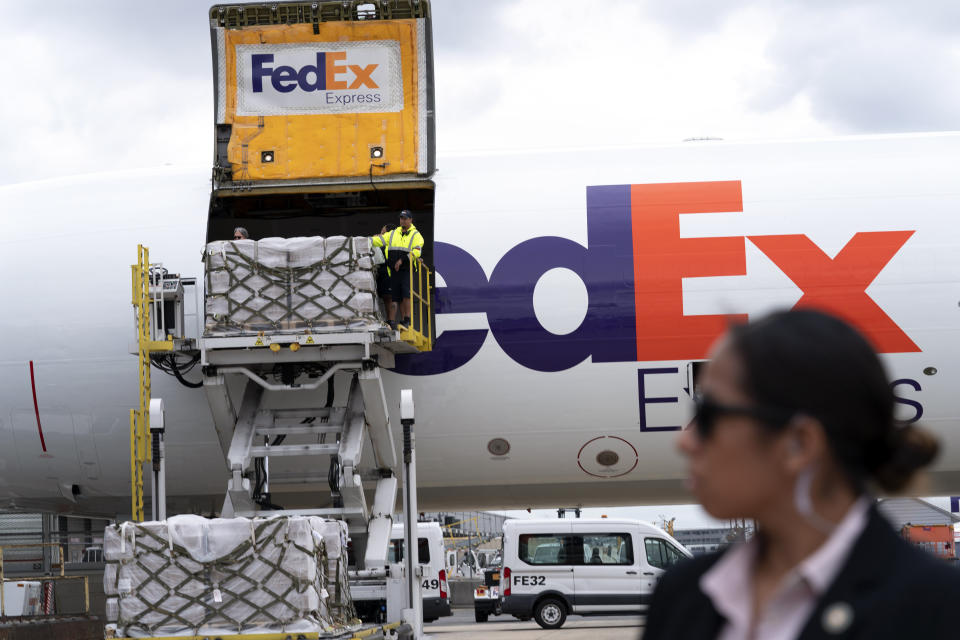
(406, 214)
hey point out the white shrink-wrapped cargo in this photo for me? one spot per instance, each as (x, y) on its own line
(333, 533)
(112, 609)
(191, 575)
(281, 285)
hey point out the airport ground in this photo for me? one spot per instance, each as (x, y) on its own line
(461, 626)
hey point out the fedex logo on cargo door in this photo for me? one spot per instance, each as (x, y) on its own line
(633, 267)
(330, 71)
(298, 79)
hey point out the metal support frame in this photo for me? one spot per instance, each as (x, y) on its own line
(140, 418)
(420, 332)
(350, 452)
(340, 366)
(414, 614)
(222, 409)
(254, 419)
(144, 277)
(238, 489)
(380, 524)
(157, 435)
(58, 578)
(378, 417)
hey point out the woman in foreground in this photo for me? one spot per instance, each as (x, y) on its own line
(794, 429)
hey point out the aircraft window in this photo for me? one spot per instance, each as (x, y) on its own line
(395, 552)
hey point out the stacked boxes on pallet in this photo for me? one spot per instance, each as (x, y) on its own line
(191, 575)
(290, 284)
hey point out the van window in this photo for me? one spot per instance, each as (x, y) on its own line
(395, 553)
(661, 554)
(549, 548)
(608, 548)
(566, 549)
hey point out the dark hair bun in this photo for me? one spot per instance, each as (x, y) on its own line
(911, 449)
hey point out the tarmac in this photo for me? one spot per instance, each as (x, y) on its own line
(461, 626)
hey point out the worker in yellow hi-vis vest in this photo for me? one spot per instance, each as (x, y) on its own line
(401, 247)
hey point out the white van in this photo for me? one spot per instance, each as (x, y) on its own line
(430, 553)
(552, 568)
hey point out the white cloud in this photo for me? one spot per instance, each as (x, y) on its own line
(866, 69)
(582, 78)
(82, 103)
(116, 85)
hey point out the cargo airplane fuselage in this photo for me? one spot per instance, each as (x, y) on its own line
(577, 290)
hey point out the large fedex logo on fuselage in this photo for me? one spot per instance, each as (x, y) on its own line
(299, 79)
(633, 267)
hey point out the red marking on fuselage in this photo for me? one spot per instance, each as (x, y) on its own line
(662, 259)
(36, 407)
(839, 285)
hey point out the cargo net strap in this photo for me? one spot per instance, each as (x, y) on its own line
(246, 295)
(258, 585)
(340, 604)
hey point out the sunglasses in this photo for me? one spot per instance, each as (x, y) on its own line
(707, 412)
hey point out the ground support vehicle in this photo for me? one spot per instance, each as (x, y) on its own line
(553, 568)
(433, 580)
(486, 597)
(433, 575)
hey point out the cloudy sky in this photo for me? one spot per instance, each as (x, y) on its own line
(101, 85)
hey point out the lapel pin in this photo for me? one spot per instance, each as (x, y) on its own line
(837, 618)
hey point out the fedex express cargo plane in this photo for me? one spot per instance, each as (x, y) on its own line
(577, 291)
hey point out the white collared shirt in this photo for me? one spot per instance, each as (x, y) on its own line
(729, 584)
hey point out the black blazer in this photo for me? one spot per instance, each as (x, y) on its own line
(892, 589)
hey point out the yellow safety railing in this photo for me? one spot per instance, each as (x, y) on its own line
(421, 329)
(60, 578)
(140, 417)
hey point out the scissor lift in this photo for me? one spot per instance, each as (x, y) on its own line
(338, 444)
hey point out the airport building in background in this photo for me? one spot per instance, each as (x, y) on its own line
(467, 524)
(700, 541)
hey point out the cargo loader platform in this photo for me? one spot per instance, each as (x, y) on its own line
(379, 345)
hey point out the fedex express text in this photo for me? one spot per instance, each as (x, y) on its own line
(300, 79)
